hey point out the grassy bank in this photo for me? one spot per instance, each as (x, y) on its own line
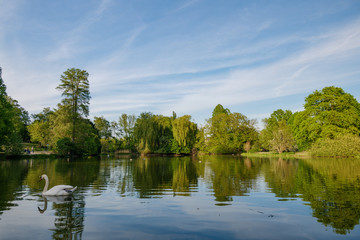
(277, 155)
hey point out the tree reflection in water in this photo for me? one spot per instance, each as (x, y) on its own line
(331, 187)
(69, 216)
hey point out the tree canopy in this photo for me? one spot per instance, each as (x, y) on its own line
(328, 113)
(13, 122)
(184, 132)
(277, 134)
(76, 95)
(227, 132)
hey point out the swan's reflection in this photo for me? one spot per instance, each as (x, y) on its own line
(54, 199)
(69, 216)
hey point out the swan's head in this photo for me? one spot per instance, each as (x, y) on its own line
(42, 177)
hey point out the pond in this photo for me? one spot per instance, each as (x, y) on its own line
(207, 197)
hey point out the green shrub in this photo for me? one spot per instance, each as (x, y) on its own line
(91, 146)
(64, 146)
(108, 145)
(13, 144)
(342, 146)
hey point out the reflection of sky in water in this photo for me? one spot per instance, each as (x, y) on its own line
(106, 213)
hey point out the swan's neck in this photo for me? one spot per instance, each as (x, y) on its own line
(46, 183)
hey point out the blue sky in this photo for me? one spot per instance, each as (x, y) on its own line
(186, 56)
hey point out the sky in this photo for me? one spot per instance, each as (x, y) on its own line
(187, 56)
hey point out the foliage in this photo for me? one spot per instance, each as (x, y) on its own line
(60, 124)
(108, 145)
(328, 113)
(247, 146)
(219, 109)
(103, 127)
(39, 130)
(13, 121)
(184, 132)
(227, 132)
(5, 113)
(64, 146)
(87, 141)
(124, 128)
(20, 119)
(346, 145)
(201, 143)
(282, 137)
(75, 90)
(13, 144)
(146, 132)
(90, 146)
(271, 126)
(161, 134)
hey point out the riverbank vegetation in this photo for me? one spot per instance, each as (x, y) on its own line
(329, 125)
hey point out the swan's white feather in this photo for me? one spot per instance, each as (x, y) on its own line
(58, 190)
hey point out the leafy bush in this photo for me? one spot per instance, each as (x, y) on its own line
(108, 145)
(91, 146)
(64, 146)
(13, 144)
(347, 145)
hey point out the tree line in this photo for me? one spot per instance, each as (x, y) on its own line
(331, 117)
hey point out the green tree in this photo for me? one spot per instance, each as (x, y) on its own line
(75, 90)
(184, 132)
(328, 113)
(13, 121)
(126, 124)
(227, 132)
(219, 109)
(60, 122)
(39, 129)
(103, 127)
(272, 126)
(20, 119)
(146, 132)
(6, 113)
(201, 143)
(167, 144)
(64, 146)
(282, 137)
(87, 141)
(247, 146)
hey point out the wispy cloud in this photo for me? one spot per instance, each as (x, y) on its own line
(185, 57)
(70, 44)
(301, 72)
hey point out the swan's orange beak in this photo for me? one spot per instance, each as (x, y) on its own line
(40, 178)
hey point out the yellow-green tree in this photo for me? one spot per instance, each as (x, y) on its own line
(275, 124)
(184, 132)
(228, 132)
(39, 129)
(282, 137)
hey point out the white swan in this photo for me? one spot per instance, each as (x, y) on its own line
(58, 190)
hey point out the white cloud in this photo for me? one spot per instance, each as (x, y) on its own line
(184, 66)
(70, 45)
(312, 68)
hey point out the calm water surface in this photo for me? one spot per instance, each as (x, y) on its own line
(210, 197)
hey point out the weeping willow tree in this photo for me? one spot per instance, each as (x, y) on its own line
(146, 132)
(184, 132)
